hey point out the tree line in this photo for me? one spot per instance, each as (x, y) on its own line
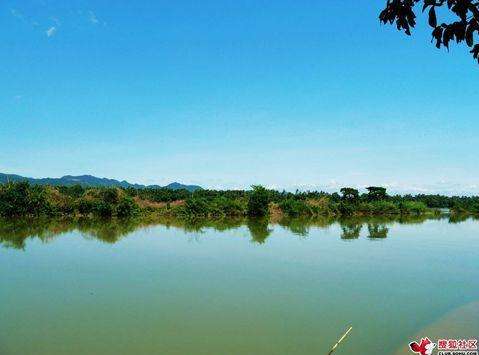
(22, 199)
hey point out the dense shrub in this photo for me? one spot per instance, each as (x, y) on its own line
(383, 207)
(295, 208)
(345, 208)
(127, 207)
(75, 191)
(323, 206)
(63, 209)
(474, 208)
(258, 202)
(196, 207)
(14, 199)
(38, 203)
(110, 196)
(412, 207)
(221, 206)
(21, 199)
(85, 206)
(103, 209)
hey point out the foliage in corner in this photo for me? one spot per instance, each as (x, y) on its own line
(460, 27)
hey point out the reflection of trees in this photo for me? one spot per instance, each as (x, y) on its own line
(458, 217)
(377, 225)
(301, 225)
(351, 231)
(377, 231)
(351, 227)
(416, 219)
(298, 226)
(15, 232)
(107, 230)
(259, 229)
(198, 225)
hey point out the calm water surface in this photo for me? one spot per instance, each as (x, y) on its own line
(235, 287)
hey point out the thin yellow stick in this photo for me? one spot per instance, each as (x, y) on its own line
(340, 340)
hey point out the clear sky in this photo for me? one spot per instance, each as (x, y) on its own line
(289, 94)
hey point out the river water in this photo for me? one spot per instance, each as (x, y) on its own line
(235, 286)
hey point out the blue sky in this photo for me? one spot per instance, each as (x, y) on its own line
(290, 94)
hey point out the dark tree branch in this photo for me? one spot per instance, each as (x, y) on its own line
(466, 28)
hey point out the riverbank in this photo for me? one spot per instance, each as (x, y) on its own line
(24, 200)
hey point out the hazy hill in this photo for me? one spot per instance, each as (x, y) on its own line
(89, 180)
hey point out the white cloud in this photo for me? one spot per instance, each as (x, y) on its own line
(92, 17)
(16, 14)
(55, 20)
(21, 17)
(51, 31)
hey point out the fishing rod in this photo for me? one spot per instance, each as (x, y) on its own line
(340, 340)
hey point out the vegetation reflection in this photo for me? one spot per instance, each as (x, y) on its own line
(377, 231)
(14, 233)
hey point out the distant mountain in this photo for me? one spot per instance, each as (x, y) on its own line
(178, 186)
(91, 181)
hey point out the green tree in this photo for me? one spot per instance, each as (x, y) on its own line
(223, 206)
(197, 206)
(14, 199)
(295, 208)
(345, 209)
(258, 203)
(85, 206)
(104, 209)
(349, 194)
(127, 207)
(412, 207)
(38, 203)
(376, 193)
(110, 196)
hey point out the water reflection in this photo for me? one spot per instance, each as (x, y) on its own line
(259, 229)
(301, 226)
(458, 218)
(351, 230)
(377, 231)
(15, 232)
(106, 230)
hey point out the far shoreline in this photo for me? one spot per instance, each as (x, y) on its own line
(21, 199)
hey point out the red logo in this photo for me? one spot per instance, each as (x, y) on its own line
(424, 348)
